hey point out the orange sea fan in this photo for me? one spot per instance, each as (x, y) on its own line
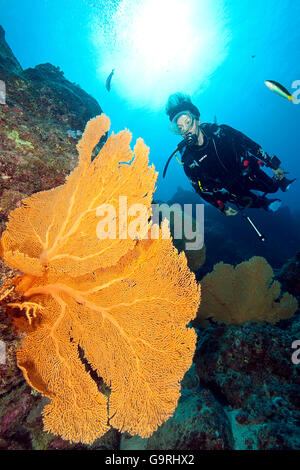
(56, 228)
(118, 307)
(246, 292)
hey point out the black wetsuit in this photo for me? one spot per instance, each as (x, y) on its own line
(224, 169)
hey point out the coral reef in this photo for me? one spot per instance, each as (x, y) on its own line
(289, 276)
(7, 59)
(249, 370)
(199, 421)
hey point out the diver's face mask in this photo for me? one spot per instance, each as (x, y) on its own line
(182, 123)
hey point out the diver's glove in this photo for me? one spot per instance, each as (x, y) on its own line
(229, 211)
(279, 173)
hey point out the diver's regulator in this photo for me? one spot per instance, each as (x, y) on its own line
(189, 140)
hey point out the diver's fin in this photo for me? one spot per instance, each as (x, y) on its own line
(274, 205)
(270, 205)
(285, 183)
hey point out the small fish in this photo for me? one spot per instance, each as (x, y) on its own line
(108, 80)
(279, 89)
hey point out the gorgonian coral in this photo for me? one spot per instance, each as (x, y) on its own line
(247, 292)
(117, 307)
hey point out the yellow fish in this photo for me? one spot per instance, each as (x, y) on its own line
(279, 89)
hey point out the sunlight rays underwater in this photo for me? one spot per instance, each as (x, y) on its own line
(158, 46)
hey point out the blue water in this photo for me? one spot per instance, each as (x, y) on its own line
(87, 38)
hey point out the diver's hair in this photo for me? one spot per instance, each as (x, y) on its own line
(178, 102)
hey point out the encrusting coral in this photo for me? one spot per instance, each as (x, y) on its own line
(118, 307)
(247, 292)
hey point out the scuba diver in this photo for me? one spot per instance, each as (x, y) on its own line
(222, 164)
